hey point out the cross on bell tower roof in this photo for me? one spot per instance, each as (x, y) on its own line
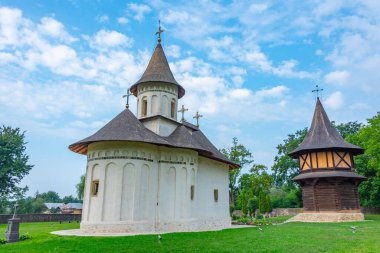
(160, 30)
(317, 90)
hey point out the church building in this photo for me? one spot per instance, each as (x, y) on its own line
(149, 172)
(328, 177)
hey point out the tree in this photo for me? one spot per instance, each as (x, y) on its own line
(70, 199)
(262, 202)
(50, 197)
(252, 205)
(80, 187)
(268, 204)
(239, 154)
(13, 161)
(368, 164)
(286, 168)
(348, 129)
(38, 205)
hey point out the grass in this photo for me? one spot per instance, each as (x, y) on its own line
(289, 237)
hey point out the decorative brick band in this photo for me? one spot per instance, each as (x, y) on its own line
(172, 162)
(120, 157)
(167, 91)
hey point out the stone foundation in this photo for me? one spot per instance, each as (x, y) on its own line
(327, 217)
(148, 227)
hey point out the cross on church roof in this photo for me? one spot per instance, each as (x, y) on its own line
(197, 116)
(317, 90)
(160, 30)
(127, 95)
(183, 110)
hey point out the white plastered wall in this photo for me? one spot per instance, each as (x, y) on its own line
(146, 188)
(159, 97)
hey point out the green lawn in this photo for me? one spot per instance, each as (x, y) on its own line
(289, 237)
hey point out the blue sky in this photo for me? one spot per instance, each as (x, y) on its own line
(247, 66)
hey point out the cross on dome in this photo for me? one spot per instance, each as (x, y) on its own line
(197, 116)
(183, 110)
(127, 96)
(160, 30)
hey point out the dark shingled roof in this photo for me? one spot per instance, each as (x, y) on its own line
(158, 70)
(183, 137)
(323, 135)
(126, 127)
(322, 174)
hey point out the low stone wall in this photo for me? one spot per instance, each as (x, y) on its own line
(286, 211)
(327, 217)
(41, 217)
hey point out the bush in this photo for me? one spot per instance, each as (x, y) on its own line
(244, 220)
(234, 217)
(3, 241)
(259, 216)
(25, 236)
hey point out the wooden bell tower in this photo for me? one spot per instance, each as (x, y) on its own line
(327, 176)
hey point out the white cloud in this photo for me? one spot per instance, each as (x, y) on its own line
(52, 101)
(240, 93)
(139, 10)
(238, 80)
(122, 20)
(337, 77)
(105, 39)
(10, 20)
(103, 19)
(328, 7)
(335, 100)
(277, 91)
(173, 51)
(53, 28)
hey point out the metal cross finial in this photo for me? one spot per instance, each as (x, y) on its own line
(127, 96)
(317, 90)
(197, 116)
(15, 211)
(160, 30)
(183, 110)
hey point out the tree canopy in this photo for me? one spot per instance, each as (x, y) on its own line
(368, 164)
(239, 154)
(80, 187)
(14, 162)
(286, 168)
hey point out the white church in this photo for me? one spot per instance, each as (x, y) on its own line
(149, 173)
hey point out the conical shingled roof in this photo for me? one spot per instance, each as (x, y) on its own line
(158, 70)
(124, 127)
(323, 135)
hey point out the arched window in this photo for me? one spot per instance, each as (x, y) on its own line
(144, 107)
(154, 105)
(165, 106)
(172, 108)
